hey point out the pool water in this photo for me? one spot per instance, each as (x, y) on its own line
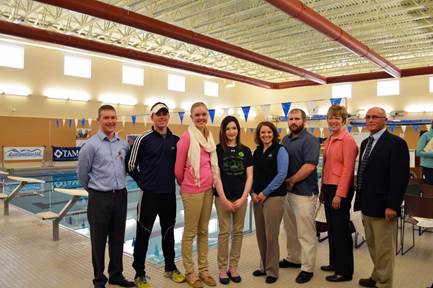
(37, 198)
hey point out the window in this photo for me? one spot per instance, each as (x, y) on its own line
(388, 88)
(11, 56)
(176, 83)
(210, 88)
(78, 66)
(133, 75)
(342, 91)
(431, 84)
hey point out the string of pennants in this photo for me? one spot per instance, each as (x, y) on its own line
(285, 106)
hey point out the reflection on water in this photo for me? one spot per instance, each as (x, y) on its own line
(37, 198)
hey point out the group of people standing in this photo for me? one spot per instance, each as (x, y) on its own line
(281, 178)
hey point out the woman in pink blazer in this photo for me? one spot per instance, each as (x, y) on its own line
(339, 156)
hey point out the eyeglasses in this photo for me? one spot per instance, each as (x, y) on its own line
(373, 117)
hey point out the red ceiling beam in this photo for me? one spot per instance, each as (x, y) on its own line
(92, 45)
(298, 10)
(142, 22)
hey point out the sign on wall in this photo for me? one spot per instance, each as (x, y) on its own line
(65, 153)
(23, 153)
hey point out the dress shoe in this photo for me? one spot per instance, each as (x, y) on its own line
(304, 277)
(271, 279)
(258, 273)
(338, 278)
(327, 268)
(287, 264)
(121, 282)
(236, 279)
(99, 286)
(224, 279)
(367, 282)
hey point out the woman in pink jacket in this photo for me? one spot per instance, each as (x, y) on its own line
(197, 171)
(337, 191)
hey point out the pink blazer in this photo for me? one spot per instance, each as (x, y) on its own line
(339, 162)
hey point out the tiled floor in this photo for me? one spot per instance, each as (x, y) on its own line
(29, 258)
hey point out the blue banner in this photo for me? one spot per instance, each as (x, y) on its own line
(311, 130)
(181, 115)
(83, 122)
(65, 153)
(134, 119)
(335, 101)
(212, 114)
(349, 128)
(246, 110)
(286, 108)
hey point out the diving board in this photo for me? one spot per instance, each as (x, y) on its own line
(76, 194)
(23, 181)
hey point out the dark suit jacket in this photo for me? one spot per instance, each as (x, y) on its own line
(385, 176)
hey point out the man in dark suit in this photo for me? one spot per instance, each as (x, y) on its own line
(383, 174)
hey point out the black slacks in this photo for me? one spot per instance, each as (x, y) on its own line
(106, 213)
(339, 232)
(153, 204)
(428, 175)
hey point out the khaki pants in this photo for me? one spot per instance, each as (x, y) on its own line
(300, 230)
(268, 217)
(197, 208)
(380, 235)
(230, 224)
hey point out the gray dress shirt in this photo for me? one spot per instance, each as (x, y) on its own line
(101, 163)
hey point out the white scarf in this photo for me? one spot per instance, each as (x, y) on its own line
(197, 139)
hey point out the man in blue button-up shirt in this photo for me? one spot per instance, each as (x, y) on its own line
(101, 171)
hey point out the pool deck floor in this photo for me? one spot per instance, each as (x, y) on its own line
(29, 258)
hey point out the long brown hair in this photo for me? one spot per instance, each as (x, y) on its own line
(276, 135)
(224, 124)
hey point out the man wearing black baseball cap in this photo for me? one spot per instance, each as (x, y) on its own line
(151, 164)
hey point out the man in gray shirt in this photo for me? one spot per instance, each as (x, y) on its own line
(101, 171)
(304, 150)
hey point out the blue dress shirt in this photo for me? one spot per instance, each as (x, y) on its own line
(101, 163)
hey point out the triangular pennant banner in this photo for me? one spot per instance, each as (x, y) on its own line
(134, 119)
(123, 120)
(287, 130)
(266, 109)
(246, 110)
(391, 128)
(63, 122)
(145, 120)
(57, 123)
(312, 130)
(83, 122)
(312, 107)
(181, 115)
(252, 130)
(335, 101)
(280, 130)
(245, 130)
(416, 127)
(226, 111)
(286, 107)
(428, 126)
(403, 128)
(70, 123)
(349, 128)
(321, 132)
(90, 122)
(76, 123)
(212, 114)
(359, 129)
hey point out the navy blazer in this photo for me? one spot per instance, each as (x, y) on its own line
(385, 177)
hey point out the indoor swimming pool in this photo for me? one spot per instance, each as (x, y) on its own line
(36, 198)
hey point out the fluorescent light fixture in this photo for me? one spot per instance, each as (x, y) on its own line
(14, 90)
(78, 66)
(342, 91)
(231, 84)
(11, 56)
(117, 99)
(132, 75)
(170, 103)
(211, 88)
(388, 88)
(419, 108)
(176, 83)
(65, 94)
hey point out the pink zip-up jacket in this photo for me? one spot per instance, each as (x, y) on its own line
(339, 162)
(183, 170)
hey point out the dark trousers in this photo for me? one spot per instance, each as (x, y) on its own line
(163, 205)
(106, 213)
(428, 175)
(339, 232)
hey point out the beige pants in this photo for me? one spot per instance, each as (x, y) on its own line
(380, 235)
(268, 217)
(300, 230)
(197, 209)
(230, 224)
